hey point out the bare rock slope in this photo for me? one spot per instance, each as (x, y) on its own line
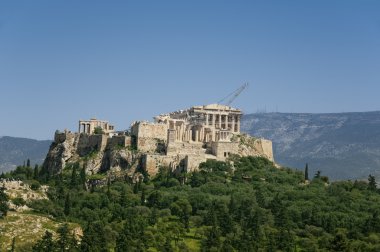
(341, 145)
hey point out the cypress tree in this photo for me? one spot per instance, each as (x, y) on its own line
(35, 172)
(45, 244)
(82, 177)
(143, 196)
(74, 175)
(372, 183)
(307, 172)
(3, 202)
(67, 204)
(28, 163)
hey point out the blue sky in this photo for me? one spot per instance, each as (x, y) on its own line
(61, 61)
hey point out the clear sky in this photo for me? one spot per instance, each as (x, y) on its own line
(61, 61)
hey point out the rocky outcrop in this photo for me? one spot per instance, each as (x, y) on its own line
(250, 146)
(97, 153)
(117, 156)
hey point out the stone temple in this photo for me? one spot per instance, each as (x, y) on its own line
(180, 140)
(189, 137)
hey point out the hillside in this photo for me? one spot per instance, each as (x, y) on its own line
(14, 151)
(252, 206)
(341, 145)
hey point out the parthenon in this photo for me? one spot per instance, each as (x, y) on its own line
(207, 123)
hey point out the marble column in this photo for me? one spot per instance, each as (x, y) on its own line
(233, 123)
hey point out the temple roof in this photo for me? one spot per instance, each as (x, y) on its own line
(216, 106)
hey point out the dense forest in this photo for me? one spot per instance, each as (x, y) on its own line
(245, 204)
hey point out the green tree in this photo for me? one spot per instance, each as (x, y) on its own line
(340, 242)
(3, 202)
(28, 163)
(142, 199)
(63, 242)
(94, 239)
(130, 239)
(82, 177)
(46, 244)
(372, 183)
(73, 180)
(35, 172)
(98, 130)
(67, 206)
(307, 172)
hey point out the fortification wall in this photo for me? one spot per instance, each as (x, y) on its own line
(184, 148)
(60, 137)
(192, 162)
(224, 149)
(123, 141)
(151, 163)
(149, 136)
(149, 130)
(90, 143)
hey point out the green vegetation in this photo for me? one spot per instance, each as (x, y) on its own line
(243, 205)
(98, 130)
(3, 203)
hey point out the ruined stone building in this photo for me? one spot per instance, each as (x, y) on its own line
(180, 140)
(89, 126)
(186, 138)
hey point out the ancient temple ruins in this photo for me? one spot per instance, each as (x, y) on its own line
(206, 123)
(189, 137)
(89, 126)
(180, 140)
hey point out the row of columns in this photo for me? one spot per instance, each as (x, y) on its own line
(84, 128)
(235, 121)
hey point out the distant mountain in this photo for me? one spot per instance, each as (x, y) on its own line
(14, 151)
(341, 145)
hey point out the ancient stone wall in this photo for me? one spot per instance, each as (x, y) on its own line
(149, 135)
(183, 148)
(222, 150)
(122, 141)
(149, 130)
(89, 143)
(192, 162)
(151, 163)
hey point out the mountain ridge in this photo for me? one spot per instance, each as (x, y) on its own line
(15, 150)
(341, 145)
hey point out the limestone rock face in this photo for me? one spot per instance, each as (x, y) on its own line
(97, 153)
(118, 158)
(61, 151)
(250, 146)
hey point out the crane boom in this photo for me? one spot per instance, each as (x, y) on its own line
(234, 94)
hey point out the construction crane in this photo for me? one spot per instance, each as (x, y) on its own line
(232, 96)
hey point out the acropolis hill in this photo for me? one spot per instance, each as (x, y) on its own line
(180, 140)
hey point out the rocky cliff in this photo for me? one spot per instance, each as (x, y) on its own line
(117, 155)
(97, 153)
